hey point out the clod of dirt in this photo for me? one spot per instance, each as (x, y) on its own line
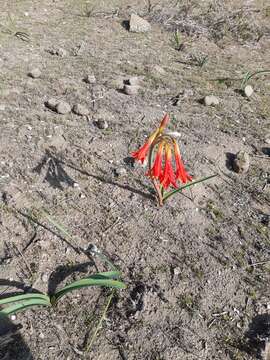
(120, 171)
(80, 110)
(63, 108)
(35, 73)
(59, 52)
(241, 162)
(131, 89)
(52, 103)
(248, 90)
(138, 24)
(90, 79)
(211, 100)
(101, 124)
(134, 81)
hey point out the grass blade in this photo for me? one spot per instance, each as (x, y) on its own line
(23, 297)
(22, 306)
(167, 195)
(93, 280)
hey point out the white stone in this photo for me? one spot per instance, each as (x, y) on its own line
(138, 24)
(211, 100)
(248, 90)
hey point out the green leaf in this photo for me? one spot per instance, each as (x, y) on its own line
(93, 280)
(168, 194)
(23, 297)
(22, 306)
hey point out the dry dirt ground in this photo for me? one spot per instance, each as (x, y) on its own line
(197, 270)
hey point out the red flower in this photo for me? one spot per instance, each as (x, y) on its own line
(141, 154)
(156, 171)
(180, 173)
(168, 176)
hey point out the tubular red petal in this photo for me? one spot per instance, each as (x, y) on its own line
(180, 173)
(168, 176)
(141, 154)
(156, 170)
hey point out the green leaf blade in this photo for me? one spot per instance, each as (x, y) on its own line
(23, 297)
(13, 309)
(94, 280)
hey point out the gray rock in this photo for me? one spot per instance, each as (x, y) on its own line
(120, 171)
(2, 107)
(35, 73)
(90, 79)
(63, 108)
(102, 124)
(211, 100)
(131, 89)
(138, 24)
(134, 81)
(248, 90)
(241, 162)
(80, 110)
(51, 103)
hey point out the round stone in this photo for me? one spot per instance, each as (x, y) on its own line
(241, 162)
(131, 89)
(51, 103)
(34, 73)
(248, 90)
(63, 108)
(80, 110)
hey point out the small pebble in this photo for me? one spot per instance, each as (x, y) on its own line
(102, 124)
(80, 110)
(34, 73)
(63, 108)
(2, 107)
(51, 103)
(248, 90)
(44, 277)
(267, 139)
(138, 24)
(177, 271)
(90, 79)
(241, 162)
(131, 89)
(134, 81)
(61, 52)
(13, 317)
(211, 100)
(120, 171)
